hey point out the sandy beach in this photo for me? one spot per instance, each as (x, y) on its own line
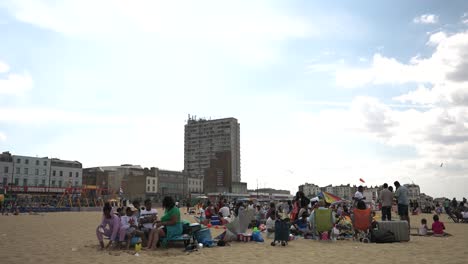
(70, 238)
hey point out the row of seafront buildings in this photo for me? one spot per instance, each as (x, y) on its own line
(211, 166)
(371, 193)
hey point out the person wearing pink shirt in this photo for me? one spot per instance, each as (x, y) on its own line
(109, 226)
(438, 227)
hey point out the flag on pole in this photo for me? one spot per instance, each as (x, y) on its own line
(361, 180)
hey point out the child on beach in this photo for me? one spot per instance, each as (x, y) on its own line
(438, 227)
(128, 226)
(270, 224)
(423, 229)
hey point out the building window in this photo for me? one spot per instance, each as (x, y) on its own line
(36, 182)
(61, 173)
(18, 171)
(45, 163)
(18, 161)
(154, 181)
(37, 162)
(149, 181)
(16, 181)
(70, 174)
(53, 173)
(44, 172)
(77, 174)
(5, 181)
(26, 161)
(148, 189)
(76, 183)
(25, 182)
(53, 183)
(43, 182)
(26, 170)
(37, 171)
(60, 183)
(154, 189)
(5, 170)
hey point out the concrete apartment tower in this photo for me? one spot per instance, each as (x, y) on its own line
(212, 152)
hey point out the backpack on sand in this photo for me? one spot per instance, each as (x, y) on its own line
(382, 236)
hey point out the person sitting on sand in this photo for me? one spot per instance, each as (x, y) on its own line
(438, 227)
(109, 226)
(465, 215)
(171, 217)
(147, 217)
(302, 225)
(129, 226)
(423, 229)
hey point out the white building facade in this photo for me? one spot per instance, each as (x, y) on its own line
(310, 189)
(27, 171)
(151, 185)
(194, 185)
(66, 173)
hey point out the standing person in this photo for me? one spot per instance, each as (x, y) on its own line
(304, 203)
(359, 195)
(187, 203)
(454, 203)
(109, 226)
(401, 194)
(386, 198)
(295, 209)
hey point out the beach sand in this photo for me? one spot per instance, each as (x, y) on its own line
(70, 238)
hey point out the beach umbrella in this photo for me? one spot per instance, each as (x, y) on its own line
(328, 197)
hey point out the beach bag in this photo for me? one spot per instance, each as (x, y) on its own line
(382, 236)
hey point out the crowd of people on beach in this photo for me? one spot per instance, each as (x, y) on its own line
(126, 223)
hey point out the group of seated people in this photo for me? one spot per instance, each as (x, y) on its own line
(305, 224)
(122, 226)
(438, 228)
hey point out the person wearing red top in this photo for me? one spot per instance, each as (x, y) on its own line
(438, 227)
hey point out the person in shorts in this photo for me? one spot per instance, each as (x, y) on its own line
(401, 194)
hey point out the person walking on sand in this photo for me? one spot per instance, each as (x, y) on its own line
(401, 194)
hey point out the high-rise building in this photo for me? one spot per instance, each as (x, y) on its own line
(208, 143)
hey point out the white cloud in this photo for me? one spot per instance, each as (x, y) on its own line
(447, 64)
(249, 31)
(2, 136)
(464, 18)
(13, 83)
(437, 131)
(4, 67)
(426, 19)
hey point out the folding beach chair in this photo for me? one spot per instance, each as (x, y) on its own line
(323, 219)
(175, 233)
(362, 222)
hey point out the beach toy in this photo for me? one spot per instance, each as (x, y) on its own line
(208, 225)
(138, 247)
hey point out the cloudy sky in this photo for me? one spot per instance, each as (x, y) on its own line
(326, 92)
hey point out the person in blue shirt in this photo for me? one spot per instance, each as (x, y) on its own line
(302, 225)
